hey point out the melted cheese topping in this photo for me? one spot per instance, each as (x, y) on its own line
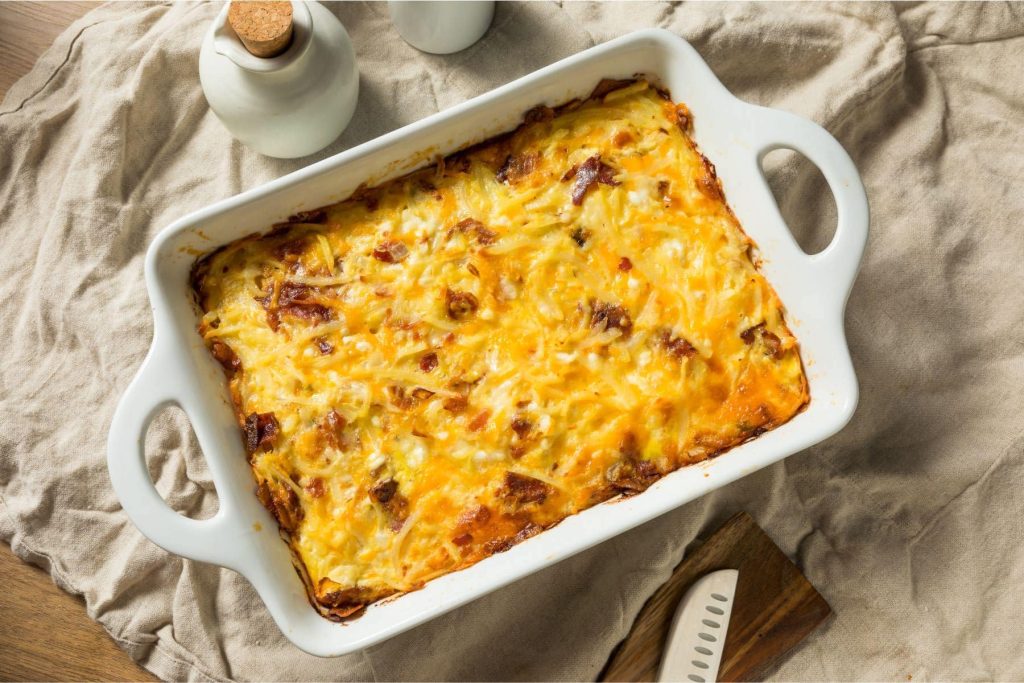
(452, 362)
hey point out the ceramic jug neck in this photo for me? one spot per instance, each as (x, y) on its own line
(227, 43)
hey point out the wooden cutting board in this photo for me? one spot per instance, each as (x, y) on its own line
(775, 607)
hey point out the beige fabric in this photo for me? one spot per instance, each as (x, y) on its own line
(910, 521)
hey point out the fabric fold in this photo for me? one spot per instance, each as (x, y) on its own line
(908, 521)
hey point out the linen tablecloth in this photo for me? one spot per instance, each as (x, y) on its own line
(910, 521)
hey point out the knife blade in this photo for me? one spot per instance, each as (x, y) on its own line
(696, 639)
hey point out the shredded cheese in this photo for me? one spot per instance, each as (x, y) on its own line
(449, 363)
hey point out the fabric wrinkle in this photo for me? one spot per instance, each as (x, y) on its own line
(907, 521)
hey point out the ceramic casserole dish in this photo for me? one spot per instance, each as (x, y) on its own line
(179, 370)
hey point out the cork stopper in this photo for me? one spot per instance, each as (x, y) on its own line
(265, 28)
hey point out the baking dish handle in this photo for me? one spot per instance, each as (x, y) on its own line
(156, 386)
(835, 267)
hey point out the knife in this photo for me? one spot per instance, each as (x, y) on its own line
(697, 637)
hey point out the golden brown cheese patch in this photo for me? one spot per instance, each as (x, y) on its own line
(443, 366)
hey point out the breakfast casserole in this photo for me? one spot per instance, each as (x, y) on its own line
(447, 364)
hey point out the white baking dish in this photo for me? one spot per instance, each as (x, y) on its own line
(179, 370)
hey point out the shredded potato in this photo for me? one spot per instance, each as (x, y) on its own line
(441, 367)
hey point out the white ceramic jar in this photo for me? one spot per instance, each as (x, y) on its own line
(287, 106)
(441, 26)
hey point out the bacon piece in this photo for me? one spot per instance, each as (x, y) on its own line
(314, 216)
(676, 346)
(458, 404)
(400, 399)
(625, 265)
(484, 235)
(296, 300)
(521, 426)
(315, 313)
(391, 251)
(749, 335)
(261, 432)
(498, 545)
(332, 431)
(344, 602)
(580, 236)
(326, 347)
(465, 225)
(503, 543)
(460, 305)
(225, 356)
(477, 516)
(283, 503)
(455, 404)
(394, 503)
(622, 138)
(588, 174)
(528, 531)
(521, 490)
(517, 167)
(606, 316)
(428, 362)
(384, 491)
(772, 344)
(631, 474)
(469, 521)
(290, 250)
(479, 422)
(683, 118)
(315, 487)
(292, 292)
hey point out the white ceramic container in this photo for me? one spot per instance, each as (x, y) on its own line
(179, 370)
(287, 106)
(441, 26)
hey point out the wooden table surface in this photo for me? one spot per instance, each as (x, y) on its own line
(44, 632)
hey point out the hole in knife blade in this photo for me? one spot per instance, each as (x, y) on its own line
(699, 664)
(703, 650)
(707, 636)
(719, 597)
(715, 610)
(712, 624)
(696, 678)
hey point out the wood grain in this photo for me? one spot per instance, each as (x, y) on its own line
(27, 29)
(775, 607)
(45, 634)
